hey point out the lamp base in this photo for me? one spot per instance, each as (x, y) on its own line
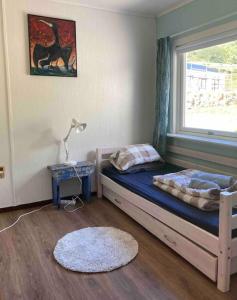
(70, 163)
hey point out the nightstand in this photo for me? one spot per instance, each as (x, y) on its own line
(62, 172)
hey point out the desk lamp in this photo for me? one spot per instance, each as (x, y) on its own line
(78, 127)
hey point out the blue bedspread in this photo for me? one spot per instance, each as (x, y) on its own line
(141, 184)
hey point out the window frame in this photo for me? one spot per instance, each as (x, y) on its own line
(180, 47)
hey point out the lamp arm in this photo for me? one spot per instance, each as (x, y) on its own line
(66, 150)
(68, 134)
(66, 144)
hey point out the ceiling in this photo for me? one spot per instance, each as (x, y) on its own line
(140, 7)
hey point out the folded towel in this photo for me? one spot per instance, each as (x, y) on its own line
(198, 202)
(181, 181)
(200, 184)
(204, 196)
(223, 181)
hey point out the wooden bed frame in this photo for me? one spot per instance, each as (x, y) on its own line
(215, 256)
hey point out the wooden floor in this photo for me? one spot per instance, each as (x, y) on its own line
(28, 270)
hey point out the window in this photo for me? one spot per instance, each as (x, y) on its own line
(206, 88)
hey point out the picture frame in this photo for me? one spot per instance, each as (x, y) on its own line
(52, 46)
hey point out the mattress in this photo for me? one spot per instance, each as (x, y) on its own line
(141, 184)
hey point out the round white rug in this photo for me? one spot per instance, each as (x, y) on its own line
(95, 249)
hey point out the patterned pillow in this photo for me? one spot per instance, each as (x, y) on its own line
(134, 155)
(151, 166)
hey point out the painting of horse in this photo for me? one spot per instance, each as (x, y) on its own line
(52, 46)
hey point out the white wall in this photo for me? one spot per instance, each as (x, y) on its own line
(114, 92)
(6, 196)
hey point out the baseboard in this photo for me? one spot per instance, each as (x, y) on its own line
(34, 204)
(24, 206)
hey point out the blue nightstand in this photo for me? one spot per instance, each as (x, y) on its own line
(62, 172)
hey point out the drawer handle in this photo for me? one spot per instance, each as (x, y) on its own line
(116, 200)
(169, 240)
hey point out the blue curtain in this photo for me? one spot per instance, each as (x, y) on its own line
(163, 81)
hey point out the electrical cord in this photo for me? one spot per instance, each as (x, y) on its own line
(75, 198)
(23, 215)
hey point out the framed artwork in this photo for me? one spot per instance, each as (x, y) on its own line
(52, 46)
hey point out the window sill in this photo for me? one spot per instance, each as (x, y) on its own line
(220, 142)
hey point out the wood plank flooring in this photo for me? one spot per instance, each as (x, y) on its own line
(28, 270)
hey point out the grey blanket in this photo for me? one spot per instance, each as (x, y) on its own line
(202, 184)
(204, 196)
(223, 181)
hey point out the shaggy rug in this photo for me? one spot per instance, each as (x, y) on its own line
(95, 249)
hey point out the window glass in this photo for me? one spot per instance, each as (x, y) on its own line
(210, 88)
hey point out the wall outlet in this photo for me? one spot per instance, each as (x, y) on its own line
(2, 172)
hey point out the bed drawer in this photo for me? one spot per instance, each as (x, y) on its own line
(201, 259)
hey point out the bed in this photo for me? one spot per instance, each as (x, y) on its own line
(208, 240)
